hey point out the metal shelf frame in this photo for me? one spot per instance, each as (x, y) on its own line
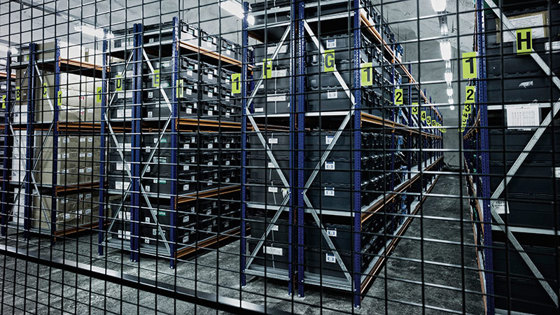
(54, 127)
(7, 161)
(134, 170)
(300, 29)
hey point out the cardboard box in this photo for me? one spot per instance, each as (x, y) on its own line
(65, 212)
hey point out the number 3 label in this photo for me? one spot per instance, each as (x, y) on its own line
(398, 96)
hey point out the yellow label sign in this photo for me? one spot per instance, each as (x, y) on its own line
(3, 101)
(399, 96)
(524, 40)
(45, 89)
(155, 78)
(18, 93)
(328, 61)
(367, 74)
(99, 95)
(236, 83)
(470, 93)
(180, 88)
(429, 120)
(414, 108)
(119, 83)
(267, 68)
(469, 65)
(59, 98)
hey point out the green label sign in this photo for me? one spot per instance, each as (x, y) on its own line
(99, 95)
(328, 60)
(367, 74)
(470, 93)
(524, 41)
(399, 96)
(119, 83)
(236, 83)
(267, 68)
(469, 65)
(155, 78)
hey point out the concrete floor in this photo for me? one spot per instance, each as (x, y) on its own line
(397, 290)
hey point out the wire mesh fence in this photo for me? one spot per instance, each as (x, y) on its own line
(278, 156)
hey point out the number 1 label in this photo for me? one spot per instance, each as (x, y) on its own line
(469, 65)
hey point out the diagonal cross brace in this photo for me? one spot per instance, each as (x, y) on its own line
(325, 155)
(536, 136)
(268, 150)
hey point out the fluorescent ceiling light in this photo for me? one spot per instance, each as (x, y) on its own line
(445, 47)
(5, 49)
(449, 92)
(439, 5)
(236, 9)
(92, 31)
(444, 29)
(448, 76)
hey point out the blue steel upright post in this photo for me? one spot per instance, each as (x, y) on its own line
(300, 56)
(174, 144)
(6, 165)
(485, 167)
(101, 232)
(29, 152)
(244, 60)
(56, 113)
(356, 194)
(135, 163)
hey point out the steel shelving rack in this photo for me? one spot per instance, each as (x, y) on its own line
(33, 67)
(6, 103)
(173, 124)
(487, 222)
(298, 207)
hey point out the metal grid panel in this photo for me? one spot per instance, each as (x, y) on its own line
(199, 156)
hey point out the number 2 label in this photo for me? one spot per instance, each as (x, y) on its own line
(398, 96)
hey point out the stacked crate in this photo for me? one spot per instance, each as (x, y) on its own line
(208, 159)
(67, 147)
(518, 87)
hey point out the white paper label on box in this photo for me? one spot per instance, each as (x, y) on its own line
(276, 98)
(150, 94)
(127, 146)
(275, 227)
(186, 187)
(329, 191)
(273, 189)
(523, 117)
(499, 206)
(210, 145)
(330, 258)
(186, 167)
(210, 163)
(189, 111)
(210, 113)
(273, 140)
(557, 172)
(150, 114)
(279, 73)
(189, 73)
(210, 76)
(555, 46)
(228, 163)
(331, 232)
(259, 109)
(185, 239)
(89, 154)
(227, 98)
(332, 94)
(331, 43)
(227, 145)
(193, 159)
(330, 165)
(329, 139)
(186, 219)
(189, 91)
(147, 188)
(269, 250)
